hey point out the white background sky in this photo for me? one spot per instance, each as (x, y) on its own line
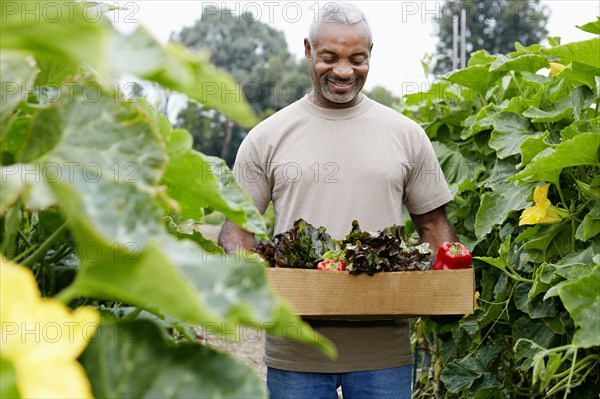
(403, 31)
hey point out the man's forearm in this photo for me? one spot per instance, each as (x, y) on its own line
(434, 228)
(232, 238)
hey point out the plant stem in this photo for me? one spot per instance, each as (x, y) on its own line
(568, 388)
(134, 314)
(564, 202)
(30, 260)
(66, 295)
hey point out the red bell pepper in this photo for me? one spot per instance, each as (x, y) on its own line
(452, 255)
(331, 264)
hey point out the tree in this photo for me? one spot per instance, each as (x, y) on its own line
(493, 25)
(257, 56)
(381, 95)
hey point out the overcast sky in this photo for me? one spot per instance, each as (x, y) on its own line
(403, 31)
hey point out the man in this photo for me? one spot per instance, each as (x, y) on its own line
(329, 158)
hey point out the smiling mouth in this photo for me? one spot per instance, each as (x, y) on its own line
(341, 86)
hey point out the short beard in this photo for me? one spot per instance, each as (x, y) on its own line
(339, 98)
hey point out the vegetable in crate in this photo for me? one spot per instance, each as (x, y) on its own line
(302, 246)
(331, 264)
(452, 255)
(385, 251)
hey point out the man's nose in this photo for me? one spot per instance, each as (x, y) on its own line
(343, 70)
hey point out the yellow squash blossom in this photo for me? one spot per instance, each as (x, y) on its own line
(42, 338)
(542, 211)
(556, 68)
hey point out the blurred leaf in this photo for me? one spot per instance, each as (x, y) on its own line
(135, 360)
(8, 380)
(18, 73)
(196, 181)
(68, 37)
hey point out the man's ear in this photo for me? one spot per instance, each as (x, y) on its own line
(307, 49)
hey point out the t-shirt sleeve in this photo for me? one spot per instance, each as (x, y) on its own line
(426, 188)
(249, 172)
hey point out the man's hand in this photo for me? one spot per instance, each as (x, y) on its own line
(233, 238)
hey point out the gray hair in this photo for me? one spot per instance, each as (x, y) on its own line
(344, 13)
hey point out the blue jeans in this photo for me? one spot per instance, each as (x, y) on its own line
(375, 384)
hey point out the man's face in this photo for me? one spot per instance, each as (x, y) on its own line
(339, 60)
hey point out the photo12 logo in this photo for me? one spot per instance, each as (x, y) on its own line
(67, 11)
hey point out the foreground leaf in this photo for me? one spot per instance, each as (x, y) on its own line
(18, 73)
(132, 259)
(196, 181)
(135, 360)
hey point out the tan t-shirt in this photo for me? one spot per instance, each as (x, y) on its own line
(330, 167)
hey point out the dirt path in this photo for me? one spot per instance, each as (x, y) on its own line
(246, 344)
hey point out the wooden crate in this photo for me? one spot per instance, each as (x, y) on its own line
(333, 293)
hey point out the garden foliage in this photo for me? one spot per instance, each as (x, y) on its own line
(101, 197)
(503, 128)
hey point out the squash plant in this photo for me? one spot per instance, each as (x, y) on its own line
(100, 199)
(518, 138)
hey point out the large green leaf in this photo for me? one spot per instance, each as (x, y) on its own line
(135, 360)
(536, 307)
(18, 73)
(591, 27)
(525, 62)
(472, 372)
(532, 146)
(175, 67)
(590, 226)
(188, 228)
(130, 258)
(586, 52)
(532, 330)
(510, 130)
(476, 77)
(8, 380)
(12, 187)
(496, 206)
(582, 299)
(483, 120)
(197, 181)
(582, 149)
(458, 168)
(68, 35)
(553, 113)
(581, 74)
(578, 127)
(101, 139)
(73, 38)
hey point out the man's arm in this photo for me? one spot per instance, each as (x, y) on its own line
(433, 227)
(233, 238)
